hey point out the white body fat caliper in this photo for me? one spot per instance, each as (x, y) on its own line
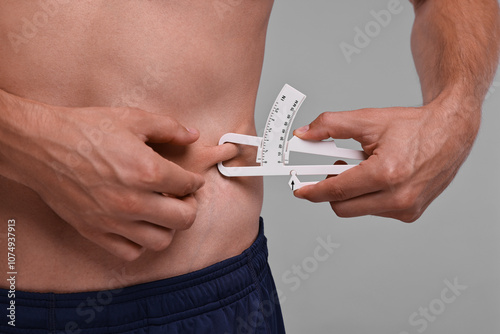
(274, 147)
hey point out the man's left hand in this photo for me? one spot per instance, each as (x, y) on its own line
(414, 153)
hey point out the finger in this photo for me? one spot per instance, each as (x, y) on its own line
(158, 128)
(170, 178)
(119, 246)
(216, 154)
(146, 234)
(399, 215)
(408, 215)
(384, 204)
(340, 125)
(224, 152)
(168, 212)
(396, 203)
(354, 182)
(370, 204)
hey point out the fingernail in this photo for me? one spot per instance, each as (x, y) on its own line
(193, 131)
(302, 130)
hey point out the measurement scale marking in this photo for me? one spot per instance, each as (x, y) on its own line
(273, 148)
(278, 126)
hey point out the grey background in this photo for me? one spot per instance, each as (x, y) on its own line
(384, 270)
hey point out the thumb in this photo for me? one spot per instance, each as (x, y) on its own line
(158, 128)
(339, 125)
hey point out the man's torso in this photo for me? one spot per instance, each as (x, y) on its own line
(196, 61)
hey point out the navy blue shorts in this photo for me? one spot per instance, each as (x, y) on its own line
(235, 296)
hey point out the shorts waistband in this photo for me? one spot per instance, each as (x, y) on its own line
(180, 297)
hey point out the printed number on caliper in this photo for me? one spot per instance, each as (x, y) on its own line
(274, 147)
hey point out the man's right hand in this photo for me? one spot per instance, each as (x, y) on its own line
(93, 168)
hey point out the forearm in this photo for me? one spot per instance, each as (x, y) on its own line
(455, 45)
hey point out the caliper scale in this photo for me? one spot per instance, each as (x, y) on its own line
(274, 148)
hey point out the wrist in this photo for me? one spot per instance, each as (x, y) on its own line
(20, 120)
(8, 129)
(13, 114)
(459, 105)
(459, 115)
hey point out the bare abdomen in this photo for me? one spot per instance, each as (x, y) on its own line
(185, 60)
